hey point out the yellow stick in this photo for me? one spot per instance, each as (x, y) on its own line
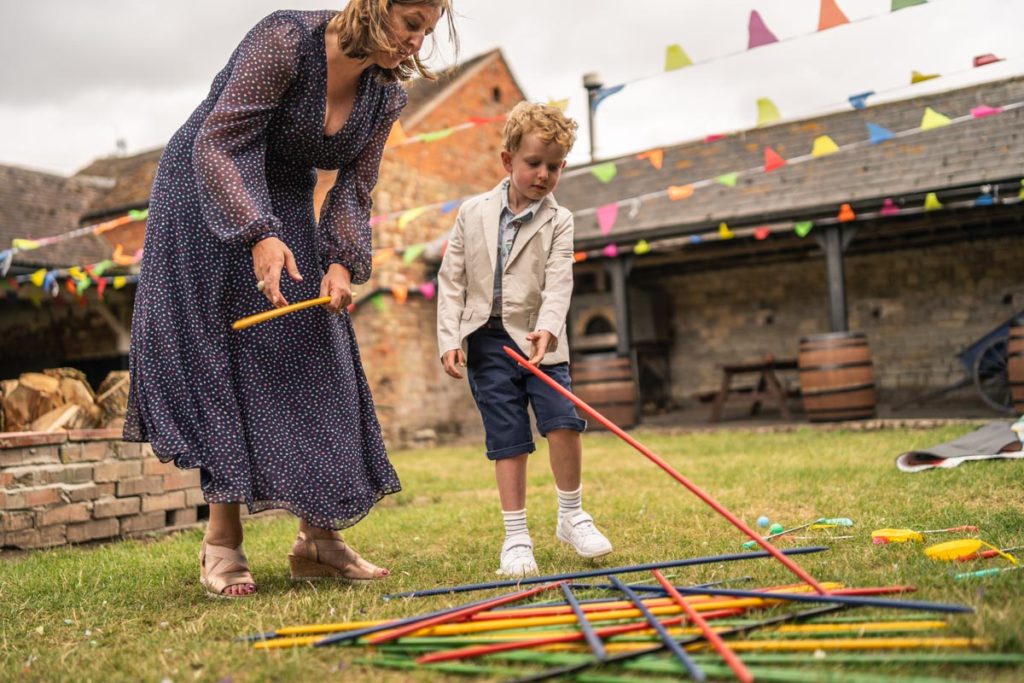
(258, 318)
(814, 644)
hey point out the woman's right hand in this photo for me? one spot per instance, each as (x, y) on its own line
(269, 257)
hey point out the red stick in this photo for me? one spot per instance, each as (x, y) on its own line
(459, 614)
(741, 671)
(696, 490)
(607, 632)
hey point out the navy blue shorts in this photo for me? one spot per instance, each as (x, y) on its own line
(502, 389)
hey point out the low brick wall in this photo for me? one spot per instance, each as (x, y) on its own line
(79, 486)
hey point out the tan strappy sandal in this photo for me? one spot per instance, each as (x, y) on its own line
(321, 558)
(221, 567)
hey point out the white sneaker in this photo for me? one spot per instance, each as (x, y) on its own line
(517, 556)
(578, 530)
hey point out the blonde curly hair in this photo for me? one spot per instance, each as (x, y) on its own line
(548, 122)
(363, 28)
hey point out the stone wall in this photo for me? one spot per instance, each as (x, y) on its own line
(918, 308)
(74, 487)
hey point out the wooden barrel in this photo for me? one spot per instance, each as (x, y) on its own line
(1015, 365)
(836, 377)
(606, 383)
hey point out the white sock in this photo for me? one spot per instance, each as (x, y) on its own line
(569, 501)
(515, 522)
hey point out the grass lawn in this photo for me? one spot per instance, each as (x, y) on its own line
(134, 610)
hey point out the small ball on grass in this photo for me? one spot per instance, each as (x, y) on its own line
(775, 528)
(763, 521)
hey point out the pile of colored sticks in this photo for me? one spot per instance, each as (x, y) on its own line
(645, 630)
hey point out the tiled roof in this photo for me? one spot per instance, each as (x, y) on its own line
(35, 204)
(975, 152)
(133, 179)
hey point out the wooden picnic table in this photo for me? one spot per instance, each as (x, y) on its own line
(767, 387)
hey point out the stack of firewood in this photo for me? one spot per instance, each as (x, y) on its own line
(61, 398)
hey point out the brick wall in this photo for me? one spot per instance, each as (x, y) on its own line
(73, 487)
(918, 309)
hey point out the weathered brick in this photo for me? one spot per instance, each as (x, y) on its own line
(64, 514)
(40, 475)
(94, 434)
(144, 522)
(155, 466)
(167, 501)
(25, 439)
(29, 455)
(183, 517)
(95, 529)
(21, 499)
(87, 451)
(74, 493)
(183, 479)
(116, 470)
(37, 538)
(194, 497)
(116, 507)
(127, 450)
(15, 521)
(133, 487)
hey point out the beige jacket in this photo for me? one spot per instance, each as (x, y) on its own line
(536, 282)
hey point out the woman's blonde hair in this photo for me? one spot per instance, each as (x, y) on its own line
(548, 122)
(363, 28)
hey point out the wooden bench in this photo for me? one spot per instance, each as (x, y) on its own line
(767, 387)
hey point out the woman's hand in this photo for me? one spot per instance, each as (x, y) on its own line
(269, 257)
(337, 284)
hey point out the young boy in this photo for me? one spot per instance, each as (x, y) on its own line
(506, 280)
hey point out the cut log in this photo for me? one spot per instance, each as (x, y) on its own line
(35, 394)
(58, 418)
(113, 396)
(75, 391)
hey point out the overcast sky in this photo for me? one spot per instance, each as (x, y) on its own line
(77, 75)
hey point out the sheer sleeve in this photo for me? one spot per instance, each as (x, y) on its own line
(344, 230)
(228, 155)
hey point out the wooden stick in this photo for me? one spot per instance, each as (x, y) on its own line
(258, 318)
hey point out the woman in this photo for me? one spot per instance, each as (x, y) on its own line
(279, 415)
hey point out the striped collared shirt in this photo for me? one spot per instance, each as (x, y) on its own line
(508, 228)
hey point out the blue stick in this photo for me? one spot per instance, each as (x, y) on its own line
(852, 600)
(596, 646)
(666, 638)
(605, 572)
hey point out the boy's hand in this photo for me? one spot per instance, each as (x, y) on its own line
(453, 360)
(540, 340)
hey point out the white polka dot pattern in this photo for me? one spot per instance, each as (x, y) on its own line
(279, 415)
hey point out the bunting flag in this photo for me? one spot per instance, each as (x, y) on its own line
(605, 172)
(611, 250)
(6, 258)
(767, 112)
(918, 77)
(101, 286)
(677, 192)
(606, 216)
(727, 179)
(983, 110)
(400, 291)
(397, 135)
(38, 277)
(724, 232)
(933, 119)
(409, 216)
(120, 282)
(931, 202)
(562, 104)
(714, 137)
(877, 133)
(428, 290)
(604, 93)
(889, 208)
(830, 15)
(412, 253)
(759, 33)
(579, 256)
(379, 303)
(988, 58)
(772, 160)
(434, 136)
(803, 228)
(860, 100)
(984, 199)
(762, 233)
(655, 156)
(846, 214)
(823, 146)
(696, 239)
(1021, 195)
(676, 58)
(903, 4)
(641, 248)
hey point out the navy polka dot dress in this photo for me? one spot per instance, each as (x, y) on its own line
(279, 415)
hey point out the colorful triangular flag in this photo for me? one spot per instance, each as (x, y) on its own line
(37, 277)
(435, 135)
(676, 58)
(655, 156)
(724, 232)
(983, 110)
(918, 77)
(428, 290)
(606, 216)
(767, 112)
(409, 216)
(830, 15)
(823, 146)
(772, 160)
(889, 208)
(562, 104)
(984, 199)
(802, 228)
(931, 202)
(677, 192)
(641, 248)
(412, 253)
(933, 119)
(611, 250)
(604, 93)
(727, 179)
(605, 172)
(860, 100)
(903, 4)
(759, 33)
(878, 133)
(762, 233)
(846, 214)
